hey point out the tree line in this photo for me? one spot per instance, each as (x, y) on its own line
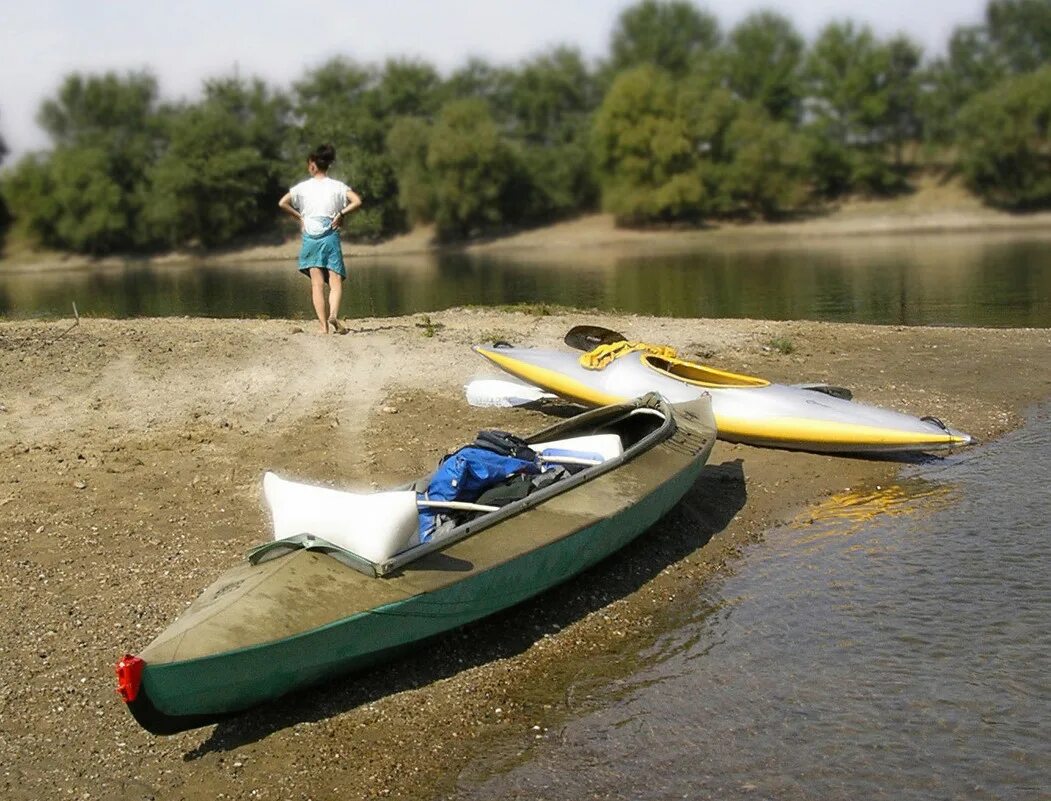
(680, 122)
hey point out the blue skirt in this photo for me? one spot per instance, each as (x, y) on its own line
(324, 251)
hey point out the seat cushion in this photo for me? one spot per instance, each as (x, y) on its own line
(373, 525)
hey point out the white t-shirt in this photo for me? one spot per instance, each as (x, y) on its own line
(319, 200)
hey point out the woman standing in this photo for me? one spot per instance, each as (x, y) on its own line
(320, 203)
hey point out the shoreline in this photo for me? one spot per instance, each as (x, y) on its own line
(926, 213)
(130, 458)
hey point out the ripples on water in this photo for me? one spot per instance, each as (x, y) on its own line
(893, 643)
(943, 279)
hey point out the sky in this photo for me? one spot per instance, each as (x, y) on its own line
(185, 42)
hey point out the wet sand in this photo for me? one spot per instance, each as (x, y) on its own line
(130, 459)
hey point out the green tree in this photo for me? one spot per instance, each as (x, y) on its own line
(353, 107)
(264, 114)
(116, 114)
(1020, 31)
(764, 57)
(326, 100)
(407, 144)
(206, 188)
(408, 88)
(86, 196)
(709, 109)
(1005, 142)
(29, 193)
(95, 214)
(765, 172)
(750, 164)
(265, 117)
(471, 168)
(108, 110)
(481, 80)
(402, 88)
(670, 34)
(1015, 38)
(970, 66)
(862, 96)
(550, 97)
(336, 103)
(220, 176)
(645, 151)
(901, 121)
(549, 101)
(68, 201)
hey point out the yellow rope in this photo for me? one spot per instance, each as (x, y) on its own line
(601, 356)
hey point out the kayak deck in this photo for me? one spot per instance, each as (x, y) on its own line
(747, 409)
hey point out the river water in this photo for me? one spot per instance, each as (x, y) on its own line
(1001, 280)
(892, 643)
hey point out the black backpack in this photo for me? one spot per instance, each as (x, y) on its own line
(505, 444)
(518, 487)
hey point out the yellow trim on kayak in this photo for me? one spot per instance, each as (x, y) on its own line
(780, 431)
(784, 430)
(799, 431)
(551, 380)
(699, 374)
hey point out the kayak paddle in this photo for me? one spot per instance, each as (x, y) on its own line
(588, 337)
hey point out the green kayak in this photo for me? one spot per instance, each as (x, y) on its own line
(305, 610)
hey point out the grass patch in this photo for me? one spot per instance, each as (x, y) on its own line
(782, 345)
(429, 326)
(533, 309)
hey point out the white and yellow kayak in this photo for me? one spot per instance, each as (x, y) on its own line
(747, 409)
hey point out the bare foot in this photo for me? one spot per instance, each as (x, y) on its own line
(337, 326)
(324, 328)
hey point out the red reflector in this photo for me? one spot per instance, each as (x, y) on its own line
(129, 676)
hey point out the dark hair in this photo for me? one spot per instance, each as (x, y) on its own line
(322, 156)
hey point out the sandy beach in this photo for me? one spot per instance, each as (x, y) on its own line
(131, 454)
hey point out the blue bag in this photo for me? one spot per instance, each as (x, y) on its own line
(464, 474)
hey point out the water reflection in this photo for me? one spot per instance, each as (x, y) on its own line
(846, 513)
(898, 647)
(958, 280)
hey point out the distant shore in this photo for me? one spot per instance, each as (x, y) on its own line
(933, 208)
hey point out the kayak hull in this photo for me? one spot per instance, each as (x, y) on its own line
(754, 411)
(267, 629)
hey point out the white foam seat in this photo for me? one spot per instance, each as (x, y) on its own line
(603, 446)
(373, 525)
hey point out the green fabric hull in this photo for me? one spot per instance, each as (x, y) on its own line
(213, 686)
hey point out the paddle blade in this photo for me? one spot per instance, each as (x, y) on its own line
(498, 392)
(827, 389)
(588, 337)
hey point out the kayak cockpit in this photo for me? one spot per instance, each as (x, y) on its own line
(700, 374)
(369, 532)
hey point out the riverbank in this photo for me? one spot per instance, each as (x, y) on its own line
(130, 459)
(935, 207)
